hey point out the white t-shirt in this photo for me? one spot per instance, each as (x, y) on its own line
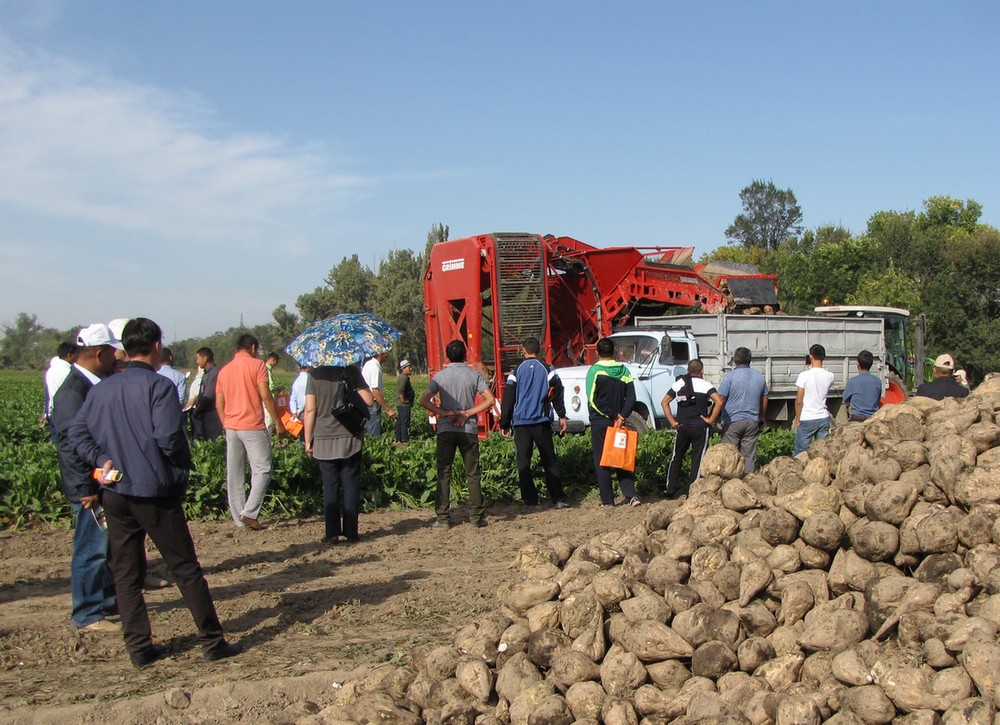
(54, 377)
(816, 382)
(372, 373)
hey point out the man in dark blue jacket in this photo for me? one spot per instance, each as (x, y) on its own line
(132, 423)
(91, 584)
(529, 394)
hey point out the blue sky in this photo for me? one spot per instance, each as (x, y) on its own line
(198, 161)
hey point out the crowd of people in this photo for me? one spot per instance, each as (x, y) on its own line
(126, 481)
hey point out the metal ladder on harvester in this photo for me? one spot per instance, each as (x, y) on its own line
(522, 300)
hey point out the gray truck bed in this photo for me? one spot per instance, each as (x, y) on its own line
(779, 344)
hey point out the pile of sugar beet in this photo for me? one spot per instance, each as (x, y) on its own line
(859, 583)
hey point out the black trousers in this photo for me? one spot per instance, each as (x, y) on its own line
(130, 519)
(403, 412)
(526, 437)
(341, 477)
(694, 437)
(626, 479)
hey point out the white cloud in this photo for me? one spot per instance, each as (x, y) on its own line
(116, 195)
(134, 159)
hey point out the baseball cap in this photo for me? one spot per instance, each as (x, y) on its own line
(98, 334)
(117, 326)
(404, 363)
(945, 362)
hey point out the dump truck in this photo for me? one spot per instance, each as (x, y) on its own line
(657, 351)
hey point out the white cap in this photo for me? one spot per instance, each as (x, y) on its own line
(117, 326)
(98, 334)
(945, 362)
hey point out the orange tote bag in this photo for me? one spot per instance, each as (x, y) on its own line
(619, 448)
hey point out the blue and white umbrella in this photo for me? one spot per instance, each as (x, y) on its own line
(343, 340)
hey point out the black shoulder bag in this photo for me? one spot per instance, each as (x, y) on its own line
(348, 407)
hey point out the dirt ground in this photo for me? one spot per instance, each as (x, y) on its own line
(309, 614)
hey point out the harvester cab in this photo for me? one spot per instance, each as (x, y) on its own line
(896, 356)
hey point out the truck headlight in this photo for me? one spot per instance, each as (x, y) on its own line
(574, 403)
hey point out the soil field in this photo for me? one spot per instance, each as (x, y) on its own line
(308, 614)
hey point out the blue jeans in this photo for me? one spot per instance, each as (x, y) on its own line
(91, 584)
(373, 427)
(808, 431)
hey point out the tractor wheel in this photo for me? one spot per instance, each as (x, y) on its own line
(895, 391)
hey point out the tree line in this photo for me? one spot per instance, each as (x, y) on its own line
(940, 261)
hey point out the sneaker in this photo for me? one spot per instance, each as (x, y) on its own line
(481, 524)
(224, 650)
(634, 501)
(148, 656)
(605, 505)
(438, 524)
(562, 505)
(103, 626)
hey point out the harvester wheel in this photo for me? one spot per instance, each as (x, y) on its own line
(895, 391)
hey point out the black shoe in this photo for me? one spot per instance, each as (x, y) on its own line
(481, 524)
(224, 650)
(439, 524)
(148, 656)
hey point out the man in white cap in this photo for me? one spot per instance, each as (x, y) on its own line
(116, 326)
(944, 385)
(91, 584)
(404, 402)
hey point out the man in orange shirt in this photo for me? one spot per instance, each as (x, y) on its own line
(241, 396)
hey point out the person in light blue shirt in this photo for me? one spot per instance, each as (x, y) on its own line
(297, 396)
(744, 394)
(864, 391)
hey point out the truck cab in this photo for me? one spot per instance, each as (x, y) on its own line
(656, 357)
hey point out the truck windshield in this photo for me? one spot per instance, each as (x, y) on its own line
(639, 349)
(895, 342)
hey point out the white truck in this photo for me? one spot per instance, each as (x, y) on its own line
(657, 351)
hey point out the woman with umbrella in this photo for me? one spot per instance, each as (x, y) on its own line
(335, 447)
(332, 348)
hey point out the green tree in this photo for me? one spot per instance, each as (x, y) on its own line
(438, 233)
(740, 255)
(945, 211)
(398, 297)
(826, 274)
(348, 288)
(888, 288)
(287, 323)
(28, 344)
(770, 216)
(316, 305)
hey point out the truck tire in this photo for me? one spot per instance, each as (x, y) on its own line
(637, 423)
